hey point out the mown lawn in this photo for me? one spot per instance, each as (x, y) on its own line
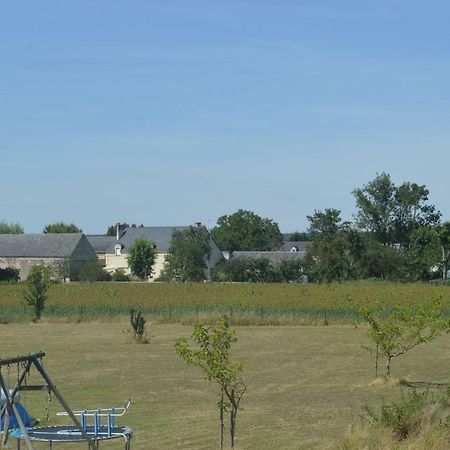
(305, 384)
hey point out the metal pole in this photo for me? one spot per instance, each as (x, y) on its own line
(63, 403)
(10, 404)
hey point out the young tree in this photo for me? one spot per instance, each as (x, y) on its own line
(38, 282)
(187, 256)
(244, 231)
(396, 332)
(10, 228)
(141, 257)
(61, 227)
(213, 357)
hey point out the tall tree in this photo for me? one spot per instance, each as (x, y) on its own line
(187, 256)
(410, 211)
(245, 230)
(141, 257)
(10, 228)
(375, 201)
(391, 213)
(326, 223)
(61, 227)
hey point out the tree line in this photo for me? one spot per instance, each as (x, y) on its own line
(396, 234)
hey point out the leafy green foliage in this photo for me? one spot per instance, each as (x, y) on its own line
(326, 223)
(405, 417)
(392, 212)
(213, 356)
(443, 231)
(397, 331)
(259, 270)
(38, 282)
(79, 271)
(119, 275)
(186, 260)
(61, 227)
(10, 228)
(424, 254)
(141, 257)
(245, 230)
(9, 274)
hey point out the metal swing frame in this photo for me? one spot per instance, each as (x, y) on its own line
(28, 361)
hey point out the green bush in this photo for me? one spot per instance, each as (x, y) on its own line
(414, 411)
(119, 275)
(9, 274)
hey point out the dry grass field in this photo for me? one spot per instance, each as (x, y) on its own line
(305, 384)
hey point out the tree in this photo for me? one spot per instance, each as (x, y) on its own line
(141, 257)
(423, 254)
(61, 227)
(213, 357)
(443, 231)
(411, 211)
(112, 229)
(245, 230)
(10, 228)
(326, 223)
(328, 259)
(38, 282)
(188, 252)
(375, 202)
(396, 332)
(391, 213)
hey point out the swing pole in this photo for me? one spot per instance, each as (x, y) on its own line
(10, 404)
(51, 386)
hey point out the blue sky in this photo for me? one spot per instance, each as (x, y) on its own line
(172, 112)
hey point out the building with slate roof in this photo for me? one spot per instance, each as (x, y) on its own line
(117, 252)
(101, 244)
(23, 251)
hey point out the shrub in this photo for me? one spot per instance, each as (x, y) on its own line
(137, 322)
(119, 275)
(9, 274)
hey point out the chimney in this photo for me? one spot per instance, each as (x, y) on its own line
(117, 231)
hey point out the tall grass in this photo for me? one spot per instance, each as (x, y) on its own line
(244, 303)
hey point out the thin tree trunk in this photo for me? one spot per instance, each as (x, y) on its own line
(388, 367)
(233, 412)
(222, 425)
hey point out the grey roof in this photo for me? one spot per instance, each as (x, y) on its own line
(161, 236)
(274, 257)
(50, 245)
(100, 242)
(300, 246)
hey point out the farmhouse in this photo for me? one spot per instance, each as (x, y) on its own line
(23, 251)
(117, 252)
(101, 243)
